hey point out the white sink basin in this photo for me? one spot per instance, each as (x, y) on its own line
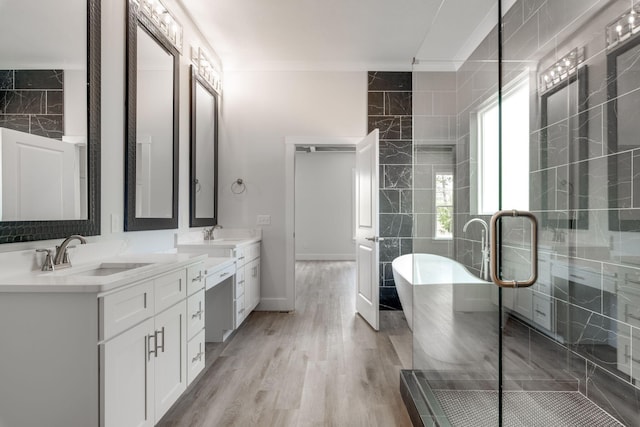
(108, 268)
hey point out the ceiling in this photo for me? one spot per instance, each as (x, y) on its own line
(342, 34)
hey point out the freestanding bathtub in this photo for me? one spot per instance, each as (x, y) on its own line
(469, 292)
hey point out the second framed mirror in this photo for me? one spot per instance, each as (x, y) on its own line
(204, 153)
(151, 161)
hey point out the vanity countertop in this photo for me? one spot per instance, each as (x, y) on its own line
(212, 264)
(79, 278)
(224, 243)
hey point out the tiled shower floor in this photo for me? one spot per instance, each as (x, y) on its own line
(522, 409)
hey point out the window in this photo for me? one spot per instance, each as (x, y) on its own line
(444, 205)
(515, 151)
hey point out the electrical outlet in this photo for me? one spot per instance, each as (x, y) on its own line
(264, 220)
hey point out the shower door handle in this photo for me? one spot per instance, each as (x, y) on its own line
(495, 267)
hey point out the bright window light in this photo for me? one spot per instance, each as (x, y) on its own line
(515, 151)
(444, 206)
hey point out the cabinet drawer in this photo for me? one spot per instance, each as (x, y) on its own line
(124, 309)
(195, 356)
(542, 310)
(240, 311)
(195, 278)
(195, 313)
(253, 251)
(169, 289)
(239, 283)
(218, 276)
(240, 255)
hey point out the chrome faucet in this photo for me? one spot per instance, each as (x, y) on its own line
(61, 259)
(208, 232)
(484, 243)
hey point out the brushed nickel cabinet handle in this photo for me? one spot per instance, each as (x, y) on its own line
(155, 347)
(161, 346)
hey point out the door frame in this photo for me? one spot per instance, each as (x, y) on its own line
(290, 144)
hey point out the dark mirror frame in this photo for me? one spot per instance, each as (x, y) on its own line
(627, 216)
(193, 221)
(578, 153)
(131, 222)
(27, 231)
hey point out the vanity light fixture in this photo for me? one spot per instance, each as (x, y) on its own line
(206, 70)
(564, 68)
(623, 28)
(160, 17)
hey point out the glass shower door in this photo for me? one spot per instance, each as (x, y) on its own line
(570, 80)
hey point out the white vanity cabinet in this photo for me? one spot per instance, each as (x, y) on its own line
(144, 367)
(80, 348)
(195, 321)
(243, 296)
(247, 288)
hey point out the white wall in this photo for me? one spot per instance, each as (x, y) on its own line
(324, 205)
(259, 109)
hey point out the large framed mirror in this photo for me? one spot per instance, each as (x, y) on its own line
(623, 128)
(151, 160)
(563, 153)
(204, 153)
(49, 119)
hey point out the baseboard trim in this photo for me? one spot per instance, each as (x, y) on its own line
(325, 257)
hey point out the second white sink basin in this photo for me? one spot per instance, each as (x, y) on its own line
(109, 268)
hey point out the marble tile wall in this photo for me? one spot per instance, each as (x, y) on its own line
(32, 101)
(390, 111)
(590, 282)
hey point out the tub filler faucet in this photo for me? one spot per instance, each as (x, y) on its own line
(484, 243)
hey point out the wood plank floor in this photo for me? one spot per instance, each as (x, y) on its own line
(321, 365)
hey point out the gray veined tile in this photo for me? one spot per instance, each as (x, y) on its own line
(396, 152)
(39, 79)
(389, 127)
(6, 79)
(396, 225)
(375, 103)
(389, 201)
(397, 176)
(24, 102)
(398, 103)
(390, 81)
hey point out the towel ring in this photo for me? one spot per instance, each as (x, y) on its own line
(238, 186)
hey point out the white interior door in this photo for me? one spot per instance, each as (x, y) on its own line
(367, 172)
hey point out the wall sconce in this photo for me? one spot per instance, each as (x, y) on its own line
(563, 69)
(160, 17)
(206, 70)
(623, 28)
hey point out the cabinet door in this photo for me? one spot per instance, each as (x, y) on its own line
(127, 377)
(170, 368)
(252, 286)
